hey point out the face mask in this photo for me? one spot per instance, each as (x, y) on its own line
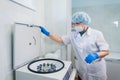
(78, 28)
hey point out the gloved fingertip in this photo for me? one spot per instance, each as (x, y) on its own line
(40, 26)
(86, 59)
(96, 55)
(88, 62)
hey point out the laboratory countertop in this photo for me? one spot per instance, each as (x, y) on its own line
(113, 56)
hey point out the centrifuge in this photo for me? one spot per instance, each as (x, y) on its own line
(24, 73)
(27, 63)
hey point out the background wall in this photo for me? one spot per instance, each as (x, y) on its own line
(58, 22)
(10, 13)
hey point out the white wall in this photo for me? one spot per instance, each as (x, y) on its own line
(10, 13)
(58, 22)
(84, 3)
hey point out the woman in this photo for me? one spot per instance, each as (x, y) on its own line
(89, 46)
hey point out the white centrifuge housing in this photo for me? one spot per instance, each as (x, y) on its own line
(27, 49)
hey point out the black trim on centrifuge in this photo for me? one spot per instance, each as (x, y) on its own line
(42, 60)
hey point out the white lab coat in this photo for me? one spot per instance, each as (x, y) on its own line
(91, 41)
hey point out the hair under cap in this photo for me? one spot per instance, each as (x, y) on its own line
(81, 17)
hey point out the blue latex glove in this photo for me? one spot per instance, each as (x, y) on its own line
(44, 31)
(91, 57)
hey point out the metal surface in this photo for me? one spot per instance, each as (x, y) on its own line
(29, 25)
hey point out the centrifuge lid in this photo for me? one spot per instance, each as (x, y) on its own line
(26, 44)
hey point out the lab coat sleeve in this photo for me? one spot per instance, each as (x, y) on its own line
(66, 39)
(101, 42)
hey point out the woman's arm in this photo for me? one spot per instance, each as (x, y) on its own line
(103, 53)
(52, 36)
(56, 38)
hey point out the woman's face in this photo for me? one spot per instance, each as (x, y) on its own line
(79, 26)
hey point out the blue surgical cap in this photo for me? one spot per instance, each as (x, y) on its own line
(81, 17)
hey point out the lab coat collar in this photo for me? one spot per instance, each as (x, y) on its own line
(89, 31)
